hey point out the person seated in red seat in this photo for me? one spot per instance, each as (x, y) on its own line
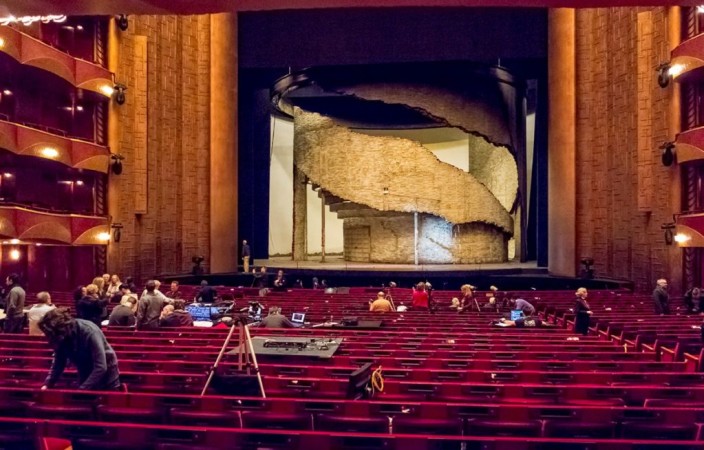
(467, 299)
(123, 315)
(176, 315)
(174, 293)
(280, 281)
(420, 297)
(381, 304)
(84, 344)
(37, 311)
(276, 320)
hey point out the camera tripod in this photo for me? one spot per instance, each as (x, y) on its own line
(246, 358)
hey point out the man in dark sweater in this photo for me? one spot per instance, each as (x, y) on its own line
(206, 294)
(176, 316)
(661, 298)
(82, 343)
(123, 315)
(14, 308)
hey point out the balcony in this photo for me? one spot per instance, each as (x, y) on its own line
(690, 145)
(75, 153)
(34, 226)
(32, 52)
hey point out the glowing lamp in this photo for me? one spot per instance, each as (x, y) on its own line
(104, 236)
(681, 238)
(14, 241)
(49, 152)
(106, 89)
(15, 255)
(676, 69)
(2, 42)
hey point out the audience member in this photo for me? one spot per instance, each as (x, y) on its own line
(14, 305)
(149, 308)
(316, 284)
(275, 320)
(280, 281)
(381, 304)
(106, 280)
(78, 294)
(467, 298)
(81, 342)
(524, 322)
(37, 311)
(114, 286)
(123, 315)
(582, 312)
(692, 298)
(129, 281)
(519, 304)
(102, 287)
(176, 316)
(174, 293)
(206, 294)
(91, 307)
(261, 278)
(124, 290)
(420, 297)
(157, 285)
(661, 298)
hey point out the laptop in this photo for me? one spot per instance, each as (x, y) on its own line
(200, 313)
(516, 314)
(298, 318)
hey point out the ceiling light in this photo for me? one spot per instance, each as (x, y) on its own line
(79, 27)
(106, 89)
(49, 152)
(7, 92)
(79, 182)
(700, 9)
(104, 236)
(38, 244)
(14, 241)
(2, 42)
(15, 254)
(79, 108)
(7, 175)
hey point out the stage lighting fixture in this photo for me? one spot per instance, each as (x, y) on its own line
(663, 74)
(119, 93)
(116, 166)
(122, 22)
(668, 153)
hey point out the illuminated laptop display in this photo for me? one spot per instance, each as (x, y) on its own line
(298, 318)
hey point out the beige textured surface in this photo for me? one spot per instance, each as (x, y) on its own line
(494, 167)
(390, 240)
(357, 167)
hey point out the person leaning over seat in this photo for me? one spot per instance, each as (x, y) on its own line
(380, 304)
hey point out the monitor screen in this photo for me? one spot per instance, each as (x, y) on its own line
(516, 314)
(200, 313)
(298, 317)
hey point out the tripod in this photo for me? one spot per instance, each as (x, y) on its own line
(246, 358)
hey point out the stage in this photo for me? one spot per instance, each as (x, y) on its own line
(336, 272)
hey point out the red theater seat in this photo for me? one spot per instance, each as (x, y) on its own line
(270, 421)
(412, 425)
(182, 416)
(326, 422)
(659, 431)
(504, 428)
(574, 429)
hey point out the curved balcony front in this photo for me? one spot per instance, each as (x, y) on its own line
(36, 226)
(32, 52)
(687, 59)
(75, 153)
(689, 230)
(690, 145)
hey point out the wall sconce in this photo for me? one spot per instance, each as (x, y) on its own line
(15, 254)
(116, 231)
(668, 153)
(122, 22)
(669, 235)
(104, 237)
(116, 166)
(663, 71)
(119, 93)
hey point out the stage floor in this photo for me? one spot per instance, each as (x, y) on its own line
(337, 263)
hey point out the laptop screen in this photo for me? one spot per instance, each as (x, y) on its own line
(298, 317)
(200, 313)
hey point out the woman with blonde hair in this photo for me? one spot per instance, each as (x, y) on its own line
(99, 282)
(114, 286)
(467, 291)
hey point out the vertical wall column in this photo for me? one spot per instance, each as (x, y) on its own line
(675, 254)
(223, 143)
(113, 142)
(562, 209)
(299, 251)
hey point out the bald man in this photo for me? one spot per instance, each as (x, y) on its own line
(661, 298)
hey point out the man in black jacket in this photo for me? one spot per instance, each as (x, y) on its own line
(14, 305)
(82, 343)
(206, 294)
(661, 297)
